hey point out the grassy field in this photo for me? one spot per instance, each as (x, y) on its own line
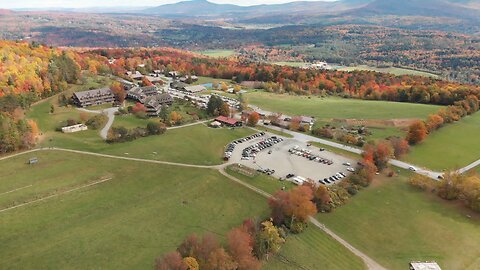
(332, 107)
(393, 70)
(329, 108)
(205, 80)
(311, 250)
(218, 53)
(395, 224)
(144, 211)
(453, 146)
(290, 64)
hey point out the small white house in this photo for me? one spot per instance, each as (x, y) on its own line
(74, 128)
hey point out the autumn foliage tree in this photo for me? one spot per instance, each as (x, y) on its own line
(118, 92)
(175, 118)
(253, 119)
(434, 122)
(139, 110)
(224, 110)
(417, 132)
(400, 146)
(291, 206)
(240, 246)
(171, 261)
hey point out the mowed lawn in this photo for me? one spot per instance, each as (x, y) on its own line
(333, 107)
(144, 211)
(395, 224)
(451, 147)
(196, 144)
(311, 250)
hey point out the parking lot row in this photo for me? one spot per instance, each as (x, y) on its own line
(252, 150)
(231, 146)
(296, 150)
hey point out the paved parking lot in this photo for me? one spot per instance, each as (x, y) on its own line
(285, 163)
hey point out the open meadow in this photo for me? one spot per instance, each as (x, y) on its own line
(393, 70)
(451, 147)
(333, 110)
(218, 53)
(338, 108)
(410, 225)
(141, 211)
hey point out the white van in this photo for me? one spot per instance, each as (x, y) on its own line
(298, 180)
(413, 169)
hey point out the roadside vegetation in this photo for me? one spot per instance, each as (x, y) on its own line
(451, 147)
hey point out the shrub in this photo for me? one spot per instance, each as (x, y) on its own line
(156, 128)
(97, 121)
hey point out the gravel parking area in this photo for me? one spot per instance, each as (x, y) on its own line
(279, 158)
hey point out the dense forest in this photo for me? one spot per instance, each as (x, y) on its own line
(28, 73)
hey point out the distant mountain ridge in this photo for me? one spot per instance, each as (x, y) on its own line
(432, 8)
(202, 8)
(429, 8)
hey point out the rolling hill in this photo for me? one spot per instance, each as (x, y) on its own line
(431, 8)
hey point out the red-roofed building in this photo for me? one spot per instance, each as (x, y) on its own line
(229, 121)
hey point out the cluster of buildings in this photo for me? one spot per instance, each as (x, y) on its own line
(280, 120)
(149, 96)
(318, 66)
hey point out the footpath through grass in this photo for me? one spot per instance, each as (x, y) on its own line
(395, 224)
(144, 211)
(451, 147)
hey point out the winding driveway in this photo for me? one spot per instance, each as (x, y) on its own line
(110, 113)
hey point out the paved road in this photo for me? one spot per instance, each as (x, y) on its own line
(307, 138)
(469, 167)
(110, 113)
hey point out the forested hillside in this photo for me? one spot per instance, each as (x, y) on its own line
(281, 79)
(28, 73)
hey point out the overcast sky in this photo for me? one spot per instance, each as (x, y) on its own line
(102, 3)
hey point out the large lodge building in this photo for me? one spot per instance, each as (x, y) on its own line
(93, 97)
